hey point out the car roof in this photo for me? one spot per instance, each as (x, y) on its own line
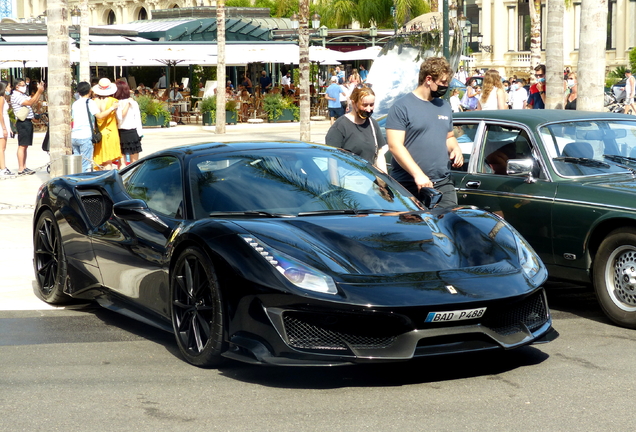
(538, 117)
(222, 147)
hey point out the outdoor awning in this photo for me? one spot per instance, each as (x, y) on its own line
(370, 53)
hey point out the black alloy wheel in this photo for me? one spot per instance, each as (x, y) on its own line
(49, 261)
(197, 309)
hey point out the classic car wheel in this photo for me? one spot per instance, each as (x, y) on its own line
(197, 309)
(49, 261)
(615, 276)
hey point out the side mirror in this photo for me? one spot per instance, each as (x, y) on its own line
(137, 210)
(521, 168)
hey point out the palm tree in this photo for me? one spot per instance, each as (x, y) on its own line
(303, 43)
(535, 33)
(59, 85)
(341, 13)
(220, 67)
(554, 55)
(85, 71)
(591, 66)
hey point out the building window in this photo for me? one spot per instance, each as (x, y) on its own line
(142, 15)
(111, 18)
(611, 25)
(524, 26)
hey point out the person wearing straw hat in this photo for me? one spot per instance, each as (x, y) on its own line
(107, 151)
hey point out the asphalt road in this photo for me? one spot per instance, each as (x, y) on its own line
(88, 369)
(91, 369)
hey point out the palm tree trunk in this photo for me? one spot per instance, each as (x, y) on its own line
(220, 67)
(591, 66)
(85, 73)
(535, 33)
(554, 55)
(59, 85)
(303, 43)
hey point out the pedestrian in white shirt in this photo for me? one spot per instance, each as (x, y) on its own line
(518, 95)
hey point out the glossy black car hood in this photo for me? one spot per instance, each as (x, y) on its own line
(381, 244)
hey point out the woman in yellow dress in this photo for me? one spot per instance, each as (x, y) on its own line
(108, 151)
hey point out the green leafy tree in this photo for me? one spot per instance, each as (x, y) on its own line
(341, 13)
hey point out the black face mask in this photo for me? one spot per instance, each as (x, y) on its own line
(364, 114)
(441, 91)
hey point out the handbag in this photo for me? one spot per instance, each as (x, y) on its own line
(96, 135)
(22, 113)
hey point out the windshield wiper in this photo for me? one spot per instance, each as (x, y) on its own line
(249, 213)
(582, 161)
(619, 158)
(328, 212)
(344, 212)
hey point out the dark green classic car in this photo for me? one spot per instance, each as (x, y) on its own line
(566, 180)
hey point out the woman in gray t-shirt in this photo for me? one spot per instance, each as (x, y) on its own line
(357, 132)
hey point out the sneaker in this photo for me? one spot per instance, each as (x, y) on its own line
(5, 172)
(26, 171)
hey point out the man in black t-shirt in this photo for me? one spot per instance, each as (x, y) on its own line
(419, 131)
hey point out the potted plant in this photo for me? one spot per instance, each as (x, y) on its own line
(279, 108)
(208, 111)
(153, 111)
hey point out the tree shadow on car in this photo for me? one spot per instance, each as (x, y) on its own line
(425, 370)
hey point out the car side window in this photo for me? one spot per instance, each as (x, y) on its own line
(158, 182)
(501, 144)
(465, 135)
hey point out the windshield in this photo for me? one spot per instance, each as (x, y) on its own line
(289, 182)
(584, 148)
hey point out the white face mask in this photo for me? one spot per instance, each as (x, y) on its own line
(22, 89)
(571, 83)
(515, 86)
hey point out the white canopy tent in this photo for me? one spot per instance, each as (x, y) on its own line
(370, 53)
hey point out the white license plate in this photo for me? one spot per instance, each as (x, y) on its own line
(458, 315)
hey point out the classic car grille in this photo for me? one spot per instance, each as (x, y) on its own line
(95, 208)
(533, 312)
(304, 335)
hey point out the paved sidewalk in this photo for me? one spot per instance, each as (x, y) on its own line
(17, 195)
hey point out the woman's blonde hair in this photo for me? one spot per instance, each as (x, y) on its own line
(491, 80)
(360, 93)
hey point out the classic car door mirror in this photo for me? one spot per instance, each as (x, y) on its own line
(137, 210)
(521, 168)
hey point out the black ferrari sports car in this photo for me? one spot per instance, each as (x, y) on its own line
(286, 253)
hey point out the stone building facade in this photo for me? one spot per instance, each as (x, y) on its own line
(105, 12)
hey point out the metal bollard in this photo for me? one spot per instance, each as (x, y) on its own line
(71, 164)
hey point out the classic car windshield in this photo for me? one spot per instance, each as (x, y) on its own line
(583, 148)
(289, 182)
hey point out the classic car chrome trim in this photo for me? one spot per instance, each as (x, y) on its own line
(496, 193)
(545, 198)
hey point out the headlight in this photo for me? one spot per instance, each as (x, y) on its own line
(301, 275)
(528, 259)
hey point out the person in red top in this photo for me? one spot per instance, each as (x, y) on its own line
(536, 98)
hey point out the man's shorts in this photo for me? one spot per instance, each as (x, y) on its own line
(336, 112)
(629, 101)
(25, 132)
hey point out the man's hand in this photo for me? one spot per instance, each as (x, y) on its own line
(457, 157)
(422, 181)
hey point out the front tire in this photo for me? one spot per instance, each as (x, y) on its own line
(49, 260)
(614, 273)
(197, 309)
